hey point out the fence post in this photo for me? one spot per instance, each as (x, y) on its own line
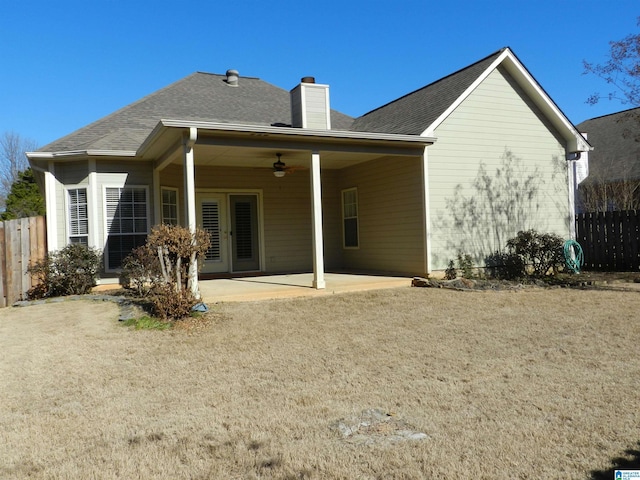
(3, 268)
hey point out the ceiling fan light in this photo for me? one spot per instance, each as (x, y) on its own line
(278, 167)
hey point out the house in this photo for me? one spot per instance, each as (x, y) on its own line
(284, 183)
(614, 164)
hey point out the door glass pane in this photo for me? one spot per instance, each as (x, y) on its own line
(211, 224)
(243, 234)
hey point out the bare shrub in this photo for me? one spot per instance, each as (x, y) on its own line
(141, 271)
(165, 268)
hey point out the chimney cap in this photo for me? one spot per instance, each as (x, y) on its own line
(308, 80)
(232, 77)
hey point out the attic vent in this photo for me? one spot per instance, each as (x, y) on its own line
(232, 78)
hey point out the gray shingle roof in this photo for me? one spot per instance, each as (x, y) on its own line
(616, 146)
(414, 112)
(199, 97)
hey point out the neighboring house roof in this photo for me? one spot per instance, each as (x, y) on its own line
(198, 97)
(414, 112)
(616, 142)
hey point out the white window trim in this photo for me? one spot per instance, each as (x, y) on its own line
(105, 223)
(173, 189)
(67, 215)
(357, 217)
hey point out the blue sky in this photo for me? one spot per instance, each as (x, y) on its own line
(68, 63)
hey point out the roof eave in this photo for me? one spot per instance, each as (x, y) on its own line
(286, 133)
(74, 154)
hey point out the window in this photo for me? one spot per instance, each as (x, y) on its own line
(127, 222)
(350, 218)
(78, 216)
(170, 206)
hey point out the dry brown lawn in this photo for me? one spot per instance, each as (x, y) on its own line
(536, 384)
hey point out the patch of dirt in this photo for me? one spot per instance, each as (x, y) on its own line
(374, 426)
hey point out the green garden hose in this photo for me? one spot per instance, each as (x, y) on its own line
(573, 257)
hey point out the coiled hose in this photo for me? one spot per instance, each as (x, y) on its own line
(573, 256)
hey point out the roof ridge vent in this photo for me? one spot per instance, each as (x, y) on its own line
(232, 78)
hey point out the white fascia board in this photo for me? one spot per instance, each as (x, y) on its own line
(80, 153)
(298, 132)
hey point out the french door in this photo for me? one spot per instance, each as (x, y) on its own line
(232, 222)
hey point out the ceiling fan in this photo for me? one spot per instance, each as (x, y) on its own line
(280, 168)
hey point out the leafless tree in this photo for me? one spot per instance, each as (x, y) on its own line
(621, 71)
(603, 192)
(12, 160)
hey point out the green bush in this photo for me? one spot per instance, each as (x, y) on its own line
(451, 273)
(72, 270)
(505, 266)
(465, 265)
(541, 253)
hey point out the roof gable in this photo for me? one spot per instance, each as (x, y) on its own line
(201, 97)
(422, 111)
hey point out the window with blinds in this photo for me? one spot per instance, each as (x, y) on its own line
(127, 222)
(78, 216)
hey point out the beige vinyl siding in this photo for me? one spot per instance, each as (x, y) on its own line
(310, 106)
(390, 215)
(316, 107)
(495, 126)
(68, 175)
(331, 219)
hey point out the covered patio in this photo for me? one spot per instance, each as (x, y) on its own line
(247, 289)
(215, 170)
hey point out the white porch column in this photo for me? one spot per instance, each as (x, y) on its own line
(50, 200)
(93, 205)
(190, 200)
(427, 212)
(190, 179)
(316, 222)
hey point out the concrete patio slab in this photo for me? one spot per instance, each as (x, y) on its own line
(293, 285)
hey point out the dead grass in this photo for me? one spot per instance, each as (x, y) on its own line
(530, 384)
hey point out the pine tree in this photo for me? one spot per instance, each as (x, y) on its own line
(24, 199)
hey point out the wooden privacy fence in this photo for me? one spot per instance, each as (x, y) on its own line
(22, 242)
(610, 240)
